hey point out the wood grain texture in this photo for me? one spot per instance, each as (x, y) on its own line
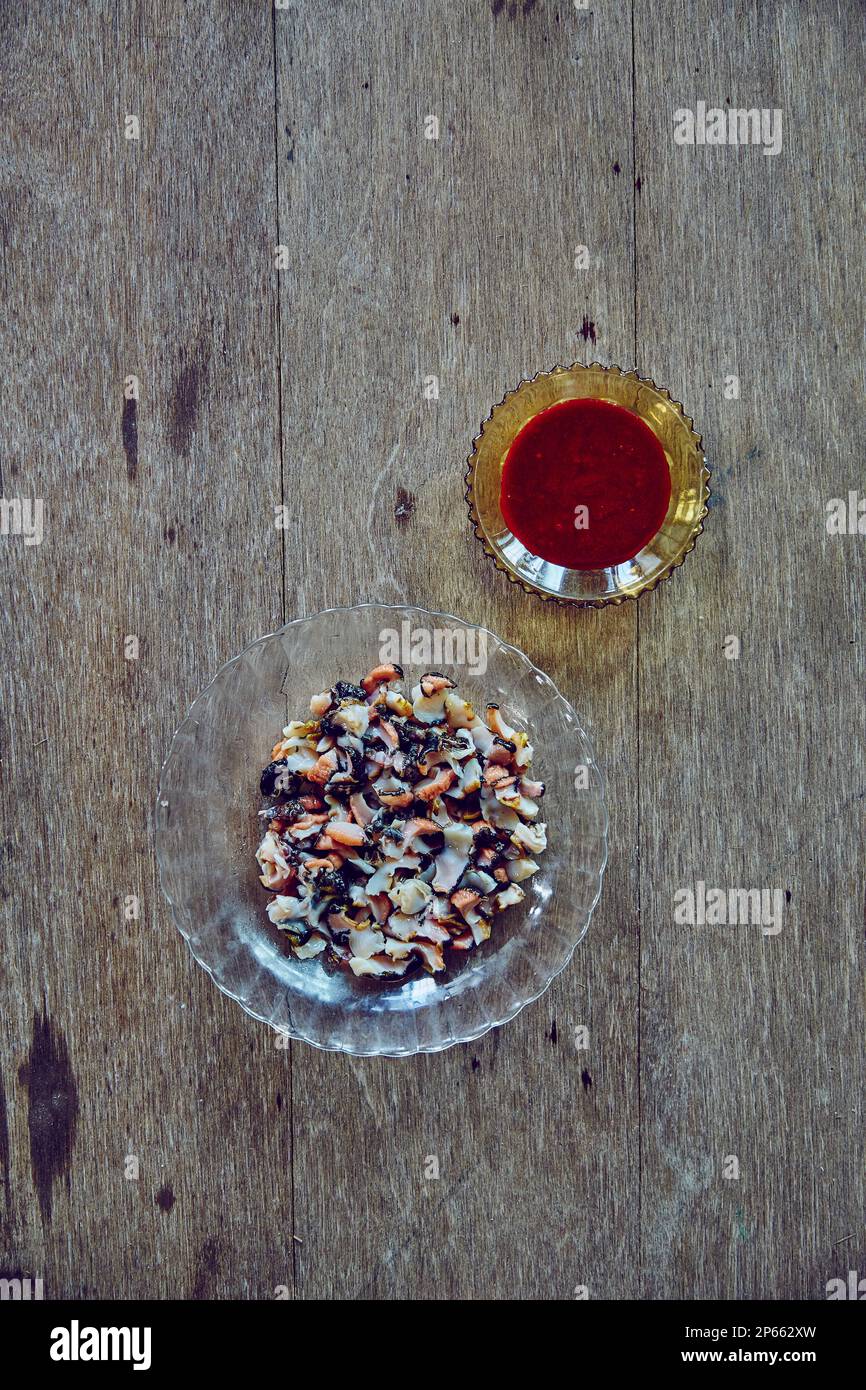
(152, 258)
(753, 769)
(409, 258)
(454, 257)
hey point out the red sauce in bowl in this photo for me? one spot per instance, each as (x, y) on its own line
(586, 484)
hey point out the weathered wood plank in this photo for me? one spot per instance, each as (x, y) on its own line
(752, 768)
(454, 257)
(155, 259)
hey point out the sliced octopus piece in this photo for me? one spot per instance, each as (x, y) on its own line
(450, 865)
(366, 943)
(507, 897)
(340, 921)
(313, 946)
(534, 790)
(464, 942)
(469, 777)
(380, 880)
(410, 896)
(517, 870)
(347, 833)
(396, 703)
(525, 751)
(533, 837)
(432, 930)
(511, 797)
(395, 794)
(284, 908)
(501, 751)
(419, 827)
(464, 899)
(500, 816)
(377, 965)
(482, 737)
(362, 812)
(401, 927)
(434, 681)
(459, 712)
(479, 927)
(381, 675)
(479, 881)
(429, 788)
(320, 704)
(497, 725)
(429, 951)
(459, 837)
(428, 709)
(380, 905)
(270, 851)
(301, 761)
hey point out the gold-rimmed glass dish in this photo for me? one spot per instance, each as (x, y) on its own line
(666, 550)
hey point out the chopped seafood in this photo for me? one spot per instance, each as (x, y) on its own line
(399, 825)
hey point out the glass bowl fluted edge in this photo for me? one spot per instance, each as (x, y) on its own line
(218, 906)
(662, 555)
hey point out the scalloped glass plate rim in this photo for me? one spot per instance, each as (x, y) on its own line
(299, 1035)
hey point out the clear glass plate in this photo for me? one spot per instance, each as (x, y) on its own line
(207, 831)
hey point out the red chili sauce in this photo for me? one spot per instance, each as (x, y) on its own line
(585, 454)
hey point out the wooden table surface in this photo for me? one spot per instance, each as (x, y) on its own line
(153, 1140)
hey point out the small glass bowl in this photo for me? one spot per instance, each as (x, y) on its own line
(207, 831)
(589, 588)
